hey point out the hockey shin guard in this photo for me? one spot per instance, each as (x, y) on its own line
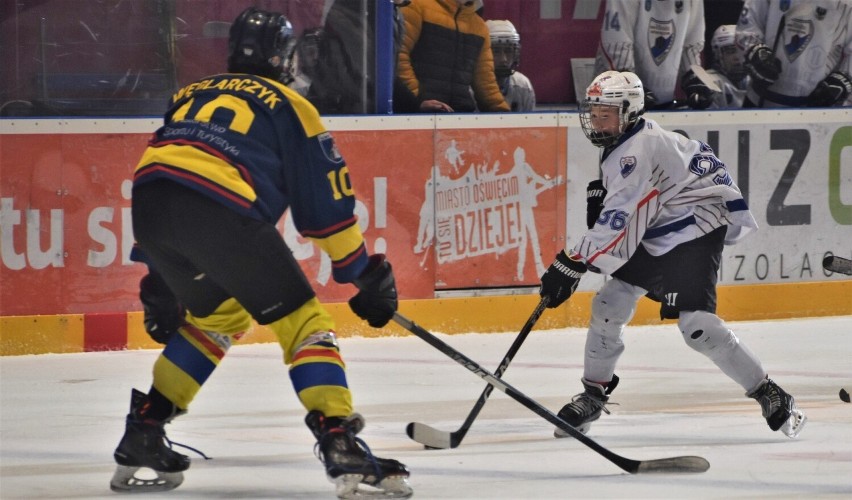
(317, 370)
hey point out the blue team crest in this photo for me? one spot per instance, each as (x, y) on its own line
(329, 148)
(661, 36)
(798, 33)
(628, 165)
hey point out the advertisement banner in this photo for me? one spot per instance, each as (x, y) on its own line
(493, 207)
(458, 202)
(795, 172)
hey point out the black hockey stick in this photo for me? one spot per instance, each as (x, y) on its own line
(437, 439)
(663, 465)
(837, 264)
(782, 24)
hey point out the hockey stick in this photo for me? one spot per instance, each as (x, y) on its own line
(663, 465)
(437, 439)
(781, 26)
(837, 264)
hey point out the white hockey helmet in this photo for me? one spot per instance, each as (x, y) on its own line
(504, 37)
(621, 90)
(727, 55)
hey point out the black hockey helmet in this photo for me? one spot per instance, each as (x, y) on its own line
(259, 43)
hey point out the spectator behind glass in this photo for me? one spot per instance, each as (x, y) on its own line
(445, 58)
(727, 74)
(506, 48)
(797, 52)
(657, 40)
(305, 60)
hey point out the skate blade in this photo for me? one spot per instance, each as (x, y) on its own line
(584, 428)
(125, 481)
(794, 425)
(350, 486)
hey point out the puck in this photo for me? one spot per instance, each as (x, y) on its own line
(844, 396)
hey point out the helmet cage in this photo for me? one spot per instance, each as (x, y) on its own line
(620, 90)
(599, 138)
(727, 55)
(504, 38)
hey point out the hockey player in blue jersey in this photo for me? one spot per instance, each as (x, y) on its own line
(235, 152)
(658, 220)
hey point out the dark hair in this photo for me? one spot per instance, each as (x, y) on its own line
(256, 38)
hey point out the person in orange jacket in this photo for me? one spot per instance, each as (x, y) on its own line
(445, 58)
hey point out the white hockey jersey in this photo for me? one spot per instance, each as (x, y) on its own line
(518, 92)
(811, 38)
(662, 190)
(656, 39)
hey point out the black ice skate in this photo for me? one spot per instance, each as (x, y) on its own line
(779, 408)
(586, 407)
(145, 444)
(349, 462)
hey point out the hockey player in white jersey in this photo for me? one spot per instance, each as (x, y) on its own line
(727, 75)
(656, 39)
(660, 216)
(798, 52)
(506, 48)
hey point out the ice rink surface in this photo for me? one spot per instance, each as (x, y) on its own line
(62, 415)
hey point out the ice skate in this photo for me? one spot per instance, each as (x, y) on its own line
(586, 407)
(779, 408)
(145, 444)
(350, 464)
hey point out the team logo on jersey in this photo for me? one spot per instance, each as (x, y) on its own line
(798, 33)
(661, 36)
(329, 148)
(820, 13)
(678, 7)
(628, 165)
(647, 5)
(784, 6)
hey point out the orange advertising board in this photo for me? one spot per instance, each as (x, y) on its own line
(496, 196)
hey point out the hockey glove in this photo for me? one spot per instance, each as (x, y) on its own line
(162, 314)
(561, 279)
(650, 100)
(831, 92)
(698, 95)
(762, 65)
(595, 194)
(377, 299)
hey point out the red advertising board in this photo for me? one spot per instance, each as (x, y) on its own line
(453, 208)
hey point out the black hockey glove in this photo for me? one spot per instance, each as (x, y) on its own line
(595, 194)
(561, 279)
(831, 92)
(162, 313)
(377, 300)
(762, 65)
(650, 100)
(698, 95)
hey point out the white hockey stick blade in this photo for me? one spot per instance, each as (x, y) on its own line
(705, 78)
(837, 264)
(428, 436)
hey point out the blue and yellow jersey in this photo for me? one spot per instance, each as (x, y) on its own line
(259, 148)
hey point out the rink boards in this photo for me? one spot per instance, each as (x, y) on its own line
(470, 209)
